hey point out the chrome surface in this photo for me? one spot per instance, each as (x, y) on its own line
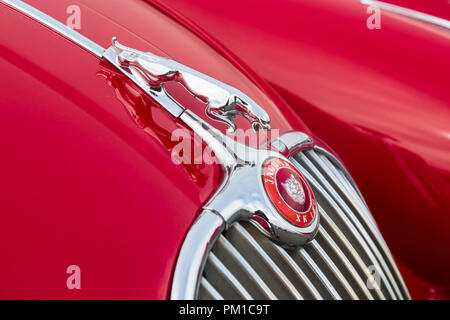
(191, 259)
(290, 142)
(242, 167)
(331, 246)
(241, 164)
(56, 26)
(408, 13)
(336, 264)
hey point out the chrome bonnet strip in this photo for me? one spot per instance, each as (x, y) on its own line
(56, 26)
(410, 13)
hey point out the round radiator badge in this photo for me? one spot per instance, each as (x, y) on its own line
(289, 192)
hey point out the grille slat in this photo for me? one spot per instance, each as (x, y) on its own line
(247, 271)
(341, 184)
(269, 262)
(208, 292)
(362, 218)
(333, 269)
(227, 277)
(347, 226)
(335, 265)
(347, 247)
(363, 214)
(311, 271)
(341, 179)
(347, 266)
(299, 272)
(354, 221)
(322, 277)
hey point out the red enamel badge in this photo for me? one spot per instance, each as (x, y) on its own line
(289, 192)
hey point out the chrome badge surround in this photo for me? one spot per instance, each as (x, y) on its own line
(242, 196)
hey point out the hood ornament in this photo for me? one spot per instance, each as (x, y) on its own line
(258, 184)
(223, 101)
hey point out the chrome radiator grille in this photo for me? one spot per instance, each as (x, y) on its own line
(344, 261)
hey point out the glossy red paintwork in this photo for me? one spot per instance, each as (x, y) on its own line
(86, 170)
(379, 98)
(437, 8)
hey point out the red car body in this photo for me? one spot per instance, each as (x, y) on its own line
(86, 170)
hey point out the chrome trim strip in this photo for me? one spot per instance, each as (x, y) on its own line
(57, 26)
(192, 258)
(294, 139)
(229, 277)
(289, 142)
(410, 13)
